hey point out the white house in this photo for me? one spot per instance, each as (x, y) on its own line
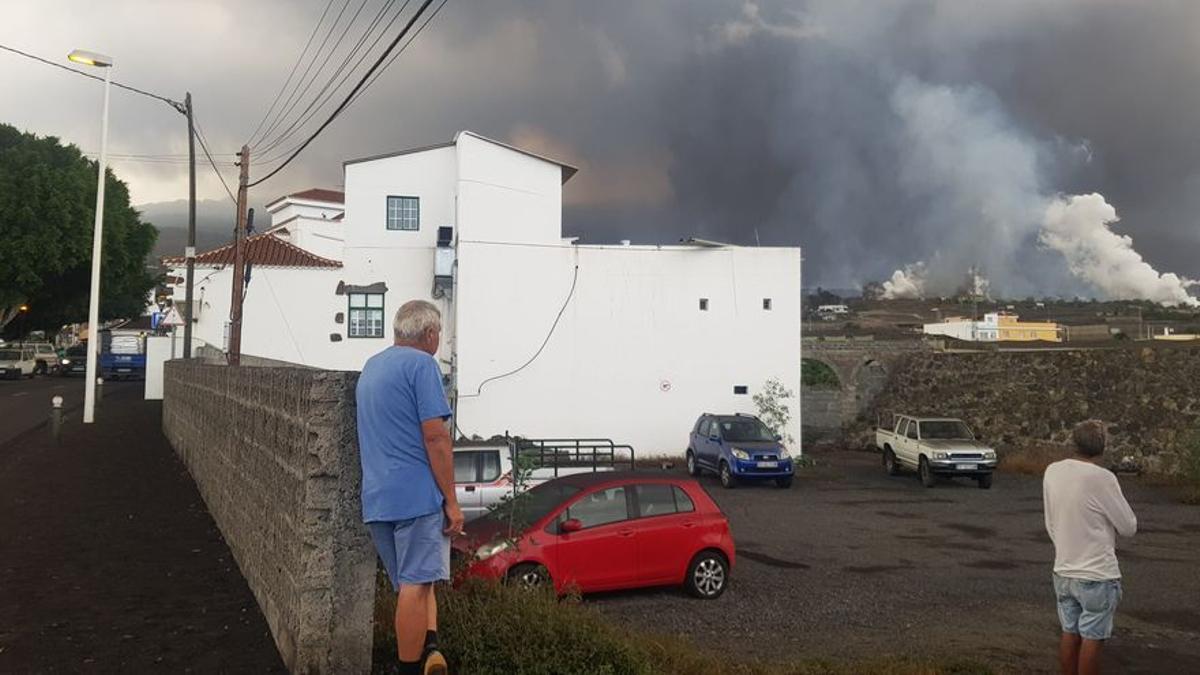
(542, 336)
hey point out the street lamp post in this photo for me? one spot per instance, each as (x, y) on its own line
(89, 395)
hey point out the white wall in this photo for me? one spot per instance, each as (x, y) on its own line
(504, 195)
(633, 358)
(961, 330)
(287, 315)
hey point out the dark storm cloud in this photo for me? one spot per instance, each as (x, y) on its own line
(810, 123)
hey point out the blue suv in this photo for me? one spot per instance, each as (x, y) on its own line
(738, 448)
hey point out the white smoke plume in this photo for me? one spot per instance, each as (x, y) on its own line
(906, 284)
(1079, 227)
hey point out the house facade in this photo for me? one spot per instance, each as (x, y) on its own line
(997, 327)
(542, 336)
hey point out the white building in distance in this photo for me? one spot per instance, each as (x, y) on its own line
(542, 336)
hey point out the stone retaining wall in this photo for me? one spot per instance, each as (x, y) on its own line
(274, 453)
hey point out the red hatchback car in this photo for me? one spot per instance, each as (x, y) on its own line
(605, 531)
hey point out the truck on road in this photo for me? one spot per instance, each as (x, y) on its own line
(933, 447)
(122, 354)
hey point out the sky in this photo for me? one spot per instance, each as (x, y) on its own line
(877, 135)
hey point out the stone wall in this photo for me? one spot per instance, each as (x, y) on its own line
(274, 453)
(1150, 395)
(821, 413)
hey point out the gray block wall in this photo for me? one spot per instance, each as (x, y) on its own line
(274, 453)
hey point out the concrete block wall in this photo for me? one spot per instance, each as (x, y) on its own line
(274, 453)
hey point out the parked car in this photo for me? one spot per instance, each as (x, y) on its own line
(935, 446)
(16, 362)
(738, 448)
(73, 361)
(483, 471)
(604, 531)
(45, 356)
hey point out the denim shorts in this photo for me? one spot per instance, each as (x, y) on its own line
(414, 551)
(1085, 607)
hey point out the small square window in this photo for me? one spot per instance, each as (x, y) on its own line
(703, 304)
(403, 213)
(767, 304)
(740, 389)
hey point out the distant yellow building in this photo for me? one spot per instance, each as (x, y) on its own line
(1011, 329)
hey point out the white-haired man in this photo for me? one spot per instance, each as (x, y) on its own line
(408, 478)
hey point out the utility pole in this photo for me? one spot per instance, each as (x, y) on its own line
(239, 264)
(190, 251)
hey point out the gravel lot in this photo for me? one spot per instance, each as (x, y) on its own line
(852, 563)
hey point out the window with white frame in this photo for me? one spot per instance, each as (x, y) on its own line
(365, 315)
(403, 213)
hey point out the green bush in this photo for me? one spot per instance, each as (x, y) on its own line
(814, 373)
(488, 628)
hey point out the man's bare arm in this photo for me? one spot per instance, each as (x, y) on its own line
(441, 459)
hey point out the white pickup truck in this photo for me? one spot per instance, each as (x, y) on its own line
(935, 446)
(483, 470)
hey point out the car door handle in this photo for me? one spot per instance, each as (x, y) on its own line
(470, 488)
(625, 533)
(689, 525)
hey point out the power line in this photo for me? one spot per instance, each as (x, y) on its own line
(295, 65)
(333, 50)
(404, 46)
(376, 76)
(174, 104)
(357, 88)
(204, 147)
(322, 96)
(285, 109)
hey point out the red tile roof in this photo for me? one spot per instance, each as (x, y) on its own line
(266, 250)
(315, 195)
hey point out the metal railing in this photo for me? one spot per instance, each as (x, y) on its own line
(572, 453)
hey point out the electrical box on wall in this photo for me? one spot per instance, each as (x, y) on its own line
(443, 263)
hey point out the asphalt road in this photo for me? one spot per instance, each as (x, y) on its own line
(852, 563)
(25, 404)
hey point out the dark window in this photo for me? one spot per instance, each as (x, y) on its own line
(490, 469)
(600, 507)
(703, 429)
(403, 213)
(366, 315)
(683, 503)
(740, 389)
(466, 467)
(767, 304)
(745, 430)
(703, 304)
(654, 500)
(912, 430)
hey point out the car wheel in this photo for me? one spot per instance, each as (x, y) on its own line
(529, 575)
(692, 467)
(727, 479)
(985, 481)
(889, 462)
(927, 478)
(784, 483)
(708, 575)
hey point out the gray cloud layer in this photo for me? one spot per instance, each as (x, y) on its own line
(812, 123)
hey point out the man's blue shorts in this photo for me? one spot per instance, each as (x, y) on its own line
(1086, 607)
(414, 551)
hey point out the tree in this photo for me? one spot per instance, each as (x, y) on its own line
(773, 409)
(47, 208)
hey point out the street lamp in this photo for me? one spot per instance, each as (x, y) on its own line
(89, 392)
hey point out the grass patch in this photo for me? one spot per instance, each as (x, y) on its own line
(489, 628)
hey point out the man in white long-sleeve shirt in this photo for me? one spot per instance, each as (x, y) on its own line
(1085, 511)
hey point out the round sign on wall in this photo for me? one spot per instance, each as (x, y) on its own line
(664, 386)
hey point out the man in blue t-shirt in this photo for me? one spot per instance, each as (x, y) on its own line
(408, 477)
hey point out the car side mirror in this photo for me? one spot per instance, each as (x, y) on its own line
(570, 525)
(778, 438)
(716, 437)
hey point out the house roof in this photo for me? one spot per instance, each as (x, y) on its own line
(313, 195)
(567, 169)
(265, 250)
